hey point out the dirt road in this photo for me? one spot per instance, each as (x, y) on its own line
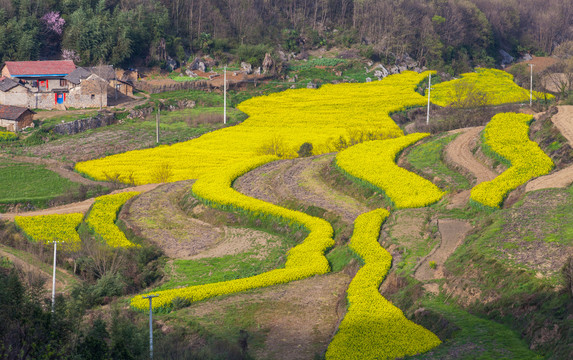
(299, 179)
(459, 153)
(452, 232)
(79, 207)
(563, 120)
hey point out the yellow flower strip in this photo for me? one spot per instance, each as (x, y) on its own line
(318, 116)
(102, 216)
(49, 228)
(507, 135)
(498, 85)
(373, 162)
(373, 328)
(7, 136)
(304, 260)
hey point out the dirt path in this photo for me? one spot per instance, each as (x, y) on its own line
(34, 267)
(563, 120)
(452, 234)
(299, 179)
(79, 207)
(63, 169)
(459, 153)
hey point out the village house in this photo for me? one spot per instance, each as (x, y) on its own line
(15, 118)
(54, 84)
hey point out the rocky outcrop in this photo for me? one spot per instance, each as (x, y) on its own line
(268, 64)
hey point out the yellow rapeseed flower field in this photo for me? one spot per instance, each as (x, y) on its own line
(373, 328)
(102, 216)
(373, 162)
(7, 136)
(318, 116)
(507, 135)
(304, 260)
(50, 228)
(496, 86)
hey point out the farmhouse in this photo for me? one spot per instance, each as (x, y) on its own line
(15, 118)
(56, 84)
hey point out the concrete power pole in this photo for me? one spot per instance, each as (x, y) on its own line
(225, 96)
(150, 297)
(54, 277)
(531, 86)
(429, 89)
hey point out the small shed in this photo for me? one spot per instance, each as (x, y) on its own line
(15, 118)
(122, 87)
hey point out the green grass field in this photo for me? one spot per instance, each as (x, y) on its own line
(427, 160)
(476, 338)
(229, 267)
(21, 182)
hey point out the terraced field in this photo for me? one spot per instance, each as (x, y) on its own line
(270, 246)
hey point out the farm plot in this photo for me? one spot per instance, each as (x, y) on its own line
(507, 136)
(281, 122)
(483, 87)
(23, 182)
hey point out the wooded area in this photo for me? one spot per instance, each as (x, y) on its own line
(449, 34)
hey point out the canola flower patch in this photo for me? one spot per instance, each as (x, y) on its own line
(7, 136)
(373, 162)
(304, 260)
(373, 328)
(318, 116)
(49, 228)
(497, 86)
(102, 216)
(507, 135)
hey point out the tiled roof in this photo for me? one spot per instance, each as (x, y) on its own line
(7, 83)
(77, 75)
(48, 67)
(105, 72)
(11, 112)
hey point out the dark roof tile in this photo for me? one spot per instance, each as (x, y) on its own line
(11, 112)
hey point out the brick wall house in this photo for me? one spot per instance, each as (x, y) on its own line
(47, 85)
(15, 118)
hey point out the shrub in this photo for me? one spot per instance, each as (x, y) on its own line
(305, 150)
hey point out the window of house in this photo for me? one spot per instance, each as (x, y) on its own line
(93, 96)
(63, 82)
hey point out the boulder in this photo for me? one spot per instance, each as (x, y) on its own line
(190, 73)
(506, 58)
(246, 67)
(282, 56)
(527, 57)
(197, 64)
(311, 85)
(394, 70)
(368, 79)
(171, 63)
(257, 71)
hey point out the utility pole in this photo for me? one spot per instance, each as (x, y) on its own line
(54, 277)
(157, 116)
(531, 86)
(150, 297)
(225, 95)
(429, 88)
